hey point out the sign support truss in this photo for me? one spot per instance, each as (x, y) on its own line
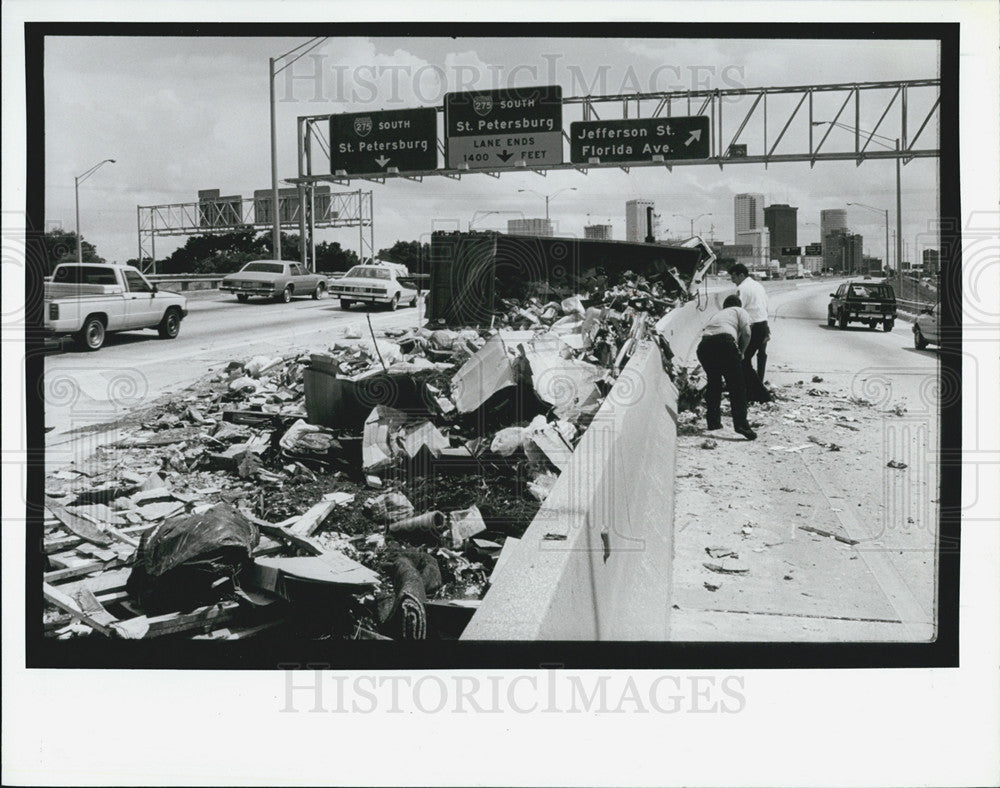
(797, 113)
(227, 215)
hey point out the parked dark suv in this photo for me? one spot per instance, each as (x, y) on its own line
(862, 302)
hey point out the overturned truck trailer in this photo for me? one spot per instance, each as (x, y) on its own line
(472, 273)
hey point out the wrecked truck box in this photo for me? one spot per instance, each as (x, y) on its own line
(472, 272)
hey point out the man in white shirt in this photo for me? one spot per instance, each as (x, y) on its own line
(720, 352)
(754, 299)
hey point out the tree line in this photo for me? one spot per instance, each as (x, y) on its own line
(227, 252)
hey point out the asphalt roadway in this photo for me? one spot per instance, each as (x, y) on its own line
(133, 369)
(753, 498)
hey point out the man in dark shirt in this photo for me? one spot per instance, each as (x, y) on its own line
(720, 352)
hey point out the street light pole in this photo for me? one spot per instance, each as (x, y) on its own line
(548, 197)
(276, 227)
(695, 219)
(272, 73)
(884, 211)
(76, 191)
(899, 221)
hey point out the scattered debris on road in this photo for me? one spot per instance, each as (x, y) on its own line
(367, 489)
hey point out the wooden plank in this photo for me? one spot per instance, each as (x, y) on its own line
(280, 531)
(200, 618)
(62, 575)
(121, 536)
(310, 522)
(113, 580)
(68, 560)
(241, 633)
(77, 525)
(92, 618)
(252, 418)
(61, 543)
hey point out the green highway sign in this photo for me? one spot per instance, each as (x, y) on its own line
(638, 140)
(364, 143)
(501, 129)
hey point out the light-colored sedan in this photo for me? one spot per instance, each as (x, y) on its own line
(375, 283)
(927, 327)
(274, 279)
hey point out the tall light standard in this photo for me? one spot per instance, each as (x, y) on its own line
(312, 43)
(548, 197)
(899, 199)
(882, 211)
(76, 189)
(695, 219)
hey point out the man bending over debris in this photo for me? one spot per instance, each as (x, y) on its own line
(754, 299)
(720, 352)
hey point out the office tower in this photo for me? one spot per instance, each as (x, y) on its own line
(597, 232)
(749, 212)
(782, 222)
(536, 227)
(636, 220)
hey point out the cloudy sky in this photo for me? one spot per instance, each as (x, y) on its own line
(184, 114)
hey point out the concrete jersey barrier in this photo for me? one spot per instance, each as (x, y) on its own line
(595, 563)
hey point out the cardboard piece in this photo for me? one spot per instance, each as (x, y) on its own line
(465, 523)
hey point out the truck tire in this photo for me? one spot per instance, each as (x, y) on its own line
(242, 298)
(888, 324)
(170, 326)
(319, 292)
(346, 303)
(285, 295)
(91, 336)
(831, 320)
(413, 303)
(842, 321)
(919, 342)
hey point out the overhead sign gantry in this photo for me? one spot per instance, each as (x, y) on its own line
(511, 130)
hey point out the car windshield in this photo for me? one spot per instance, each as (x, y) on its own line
(264, 268)
(871, 291)
(368, 272)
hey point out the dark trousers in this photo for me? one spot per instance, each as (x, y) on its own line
(720, 358)
(754, 381)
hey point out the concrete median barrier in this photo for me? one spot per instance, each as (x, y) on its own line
(595, 563)
(682, 327)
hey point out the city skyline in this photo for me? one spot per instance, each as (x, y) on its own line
(173, 133)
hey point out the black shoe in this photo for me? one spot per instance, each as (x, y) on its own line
(712, 427)
(747, 433)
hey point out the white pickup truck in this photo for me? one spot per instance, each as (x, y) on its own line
(89, 300)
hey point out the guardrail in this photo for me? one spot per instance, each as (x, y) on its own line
(189, 281)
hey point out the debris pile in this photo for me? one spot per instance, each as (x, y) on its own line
(368, 489)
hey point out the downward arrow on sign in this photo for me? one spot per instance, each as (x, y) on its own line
(504, 156)
(695, 135)
(382, 161)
